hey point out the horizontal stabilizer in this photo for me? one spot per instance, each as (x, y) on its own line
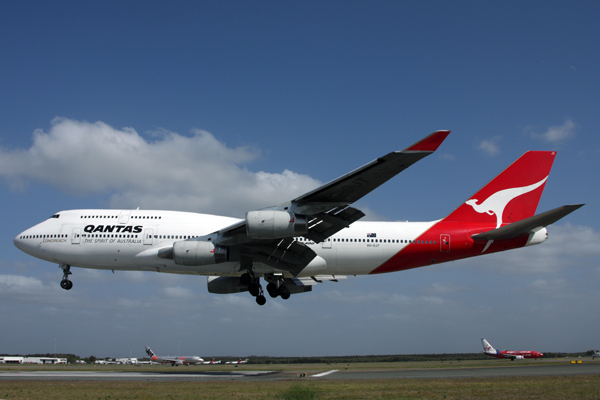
(525, 226)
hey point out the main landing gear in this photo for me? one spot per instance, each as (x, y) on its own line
(275, 287)
(66, 283)
(278, 288)
(254, 286)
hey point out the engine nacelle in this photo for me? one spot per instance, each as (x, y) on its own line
(275, 224)
(537, 237)
(519, 357)
(225, 284)
(198, 253)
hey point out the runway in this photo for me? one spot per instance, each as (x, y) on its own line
(341, 374)
(127, 376)
(486, 372)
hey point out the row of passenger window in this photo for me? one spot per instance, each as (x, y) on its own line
(43, 236)
(385, 241)
(103, 235)
(173, 237)
(116, 216)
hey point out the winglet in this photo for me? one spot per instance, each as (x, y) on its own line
(430, 143)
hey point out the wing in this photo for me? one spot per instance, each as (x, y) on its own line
(267, 235)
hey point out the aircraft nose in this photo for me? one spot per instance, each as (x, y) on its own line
(23, 242)
(18, 241)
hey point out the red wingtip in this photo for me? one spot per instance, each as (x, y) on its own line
(430, 143)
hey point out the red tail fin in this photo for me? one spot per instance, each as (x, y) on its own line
(511, 196)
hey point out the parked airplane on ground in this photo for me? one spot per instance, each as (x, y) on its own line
(240, 361)
(211, 362)
(512, 354)
(185, 360)
(309, 239)
(596, 354)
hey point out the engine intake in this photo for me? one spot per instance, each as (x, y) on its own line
(198, 253)
(275, 224)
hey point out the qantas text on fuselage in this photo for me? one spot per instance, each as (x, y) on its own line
(312, 238)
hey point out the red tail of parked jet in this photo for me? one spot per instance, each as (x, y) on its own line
(512, 354)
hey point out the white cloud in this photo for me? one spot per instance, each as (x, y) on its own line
(557, 133)
(20, 284)
(490, 146)
(568, 246)
(171, 171)
(178, 293)
(442, 288)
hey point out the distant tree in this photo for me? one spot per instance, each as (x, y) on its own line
(92, 359)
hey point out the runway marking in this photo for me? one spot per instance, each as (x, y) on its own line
(324, 373)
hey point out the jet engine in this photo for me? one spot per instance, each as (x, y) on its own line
(225, 284)
(275, 224)
(518, 357)
(198, 253)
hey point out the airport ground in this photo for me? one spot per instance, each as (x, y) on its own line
(488, 379)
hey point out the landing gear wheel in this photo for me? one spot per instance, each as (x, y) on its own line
(260, 300)
(66, 284)
(284, 292)
(273, 290)
(254, 289)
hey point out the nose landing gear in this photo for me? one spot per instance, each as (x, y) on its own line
(66, 283)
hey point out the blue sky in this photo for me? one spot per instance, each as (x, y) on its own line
(224, 107)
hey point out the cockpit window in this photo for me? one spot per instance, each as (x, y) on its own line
(55, 216)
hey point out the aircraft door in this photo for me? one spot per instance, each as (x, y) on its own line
(124, 217)
(445, 243)
(76, 237)
(148, 233)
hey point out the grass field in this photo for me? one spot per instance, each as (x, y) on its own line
(556, 387)
(572, 387)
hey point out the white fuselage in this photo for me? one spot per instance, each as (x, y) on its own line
(130, 240)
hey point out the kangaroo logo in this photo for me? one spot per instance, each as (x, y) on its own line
(495, 204)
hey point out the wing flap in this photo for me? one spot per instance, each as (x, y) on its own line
(286, 255)
(313, 280)
(328, 223)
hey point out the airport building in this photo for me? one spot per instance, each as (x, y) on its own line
(31, 360)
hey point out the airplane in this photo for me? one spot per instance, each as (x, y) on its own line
(174, 361)
(240, 361)
(512, 354)
(596, 354)
(305, 241)
(211, 362)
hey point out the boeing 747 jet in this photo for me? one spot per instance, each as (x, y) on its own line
(309, 239)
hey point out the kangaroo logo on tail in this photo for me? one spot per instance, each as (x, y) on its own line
(495, 204)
